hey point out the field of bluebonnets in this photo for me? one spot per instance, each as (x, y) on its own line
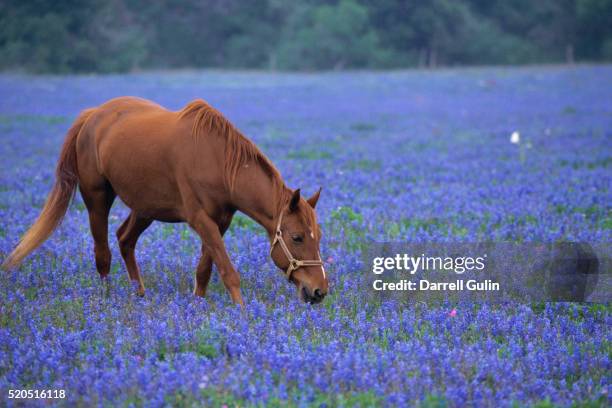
(402, 156)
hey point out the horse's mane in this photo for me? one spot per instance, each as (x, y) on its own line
(239, 150)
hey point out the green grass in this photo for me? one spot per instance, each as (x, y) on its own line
(432, 224)
(23, 118)
(218, 398)
(205, 343)
(64, 313)
(364, 164)
(309, 154)
(569, 110)
(347, 224)
(363, 126)
(580, 164)
(594, 403)
(241, 221)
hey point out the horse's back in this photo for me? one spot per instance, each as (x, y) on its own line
(129, 103)
(127, 126)
(131, 119)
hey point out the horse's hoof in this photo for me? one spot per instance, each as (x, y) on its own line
(138, 288)
(105, 287)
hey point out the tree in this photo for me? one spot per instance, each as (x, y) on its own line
(329, 37)
(594, 27)
(124, 35)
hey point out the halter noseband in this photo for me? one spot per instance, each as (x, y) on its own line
(293, 262)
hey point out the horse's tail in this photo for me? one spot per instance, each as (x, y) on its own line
(58, 200)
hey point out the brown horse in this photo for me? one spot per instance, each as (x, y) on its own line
(188, 166)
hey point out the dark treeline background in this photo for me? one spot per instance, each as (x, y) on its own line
(124, 35)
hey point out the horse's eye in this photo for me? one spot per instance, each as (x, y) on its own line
(297, 239)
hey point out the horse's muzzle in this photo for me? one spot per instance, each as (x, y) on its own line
(312, 297)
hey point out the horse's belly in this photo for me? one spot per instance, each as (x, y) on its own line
(151, 197)
(161, 214)
(141, 170)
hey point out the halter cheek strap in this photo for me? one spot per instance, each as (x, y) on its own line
(293, 262)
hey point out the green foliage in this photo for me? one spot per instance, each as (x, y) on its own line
(241, 221)
(365, 164)
(355, 399)
(432, 401)
(204, 343)
(347, 224)
(329, 36)
(363, 126)
(69, 35)
(346, 214)
(8, 120)
(309, 154)
(544, 404)
(124, 35)
(594, 30)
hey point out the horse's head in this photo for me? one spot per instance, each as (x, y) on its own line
(295, 247)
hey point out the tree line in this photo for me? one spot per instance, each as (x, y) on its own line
(124, 35)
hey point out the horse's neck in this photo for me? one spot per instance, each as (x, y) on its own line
(258, 195)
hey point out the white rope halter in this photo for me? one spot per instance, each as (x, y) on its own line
(293, 262)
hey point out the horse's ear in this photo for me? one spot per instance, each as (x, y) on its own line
(295, 200)
(315, 197)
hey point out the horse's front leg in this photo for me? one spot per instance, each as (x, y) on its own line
(212, 239)
(204, 270)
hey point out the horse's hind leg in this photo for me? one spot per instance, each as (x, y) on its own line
(128, 235)
(99, 202)
(203, 273)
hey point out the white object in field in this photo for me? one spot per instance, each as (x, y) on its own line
(515, 138)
